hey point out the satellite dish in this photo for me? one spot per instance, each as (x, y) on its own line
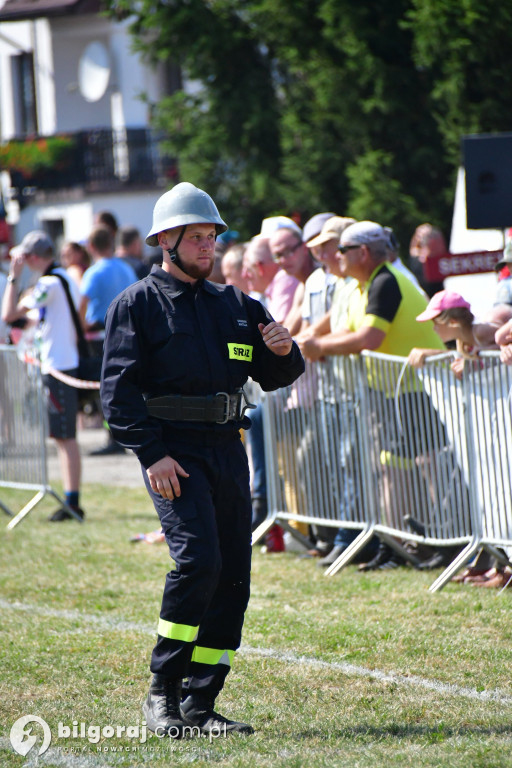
(94, 71)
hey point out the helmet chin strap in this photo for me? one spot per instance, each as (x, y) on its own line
(173, 252)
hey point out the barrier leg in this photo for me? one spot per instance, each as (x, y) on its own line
(262, 529)
(351, 551)
(295, 533)
(34, 501)
(5, 509)
(26, 509)
(459, 562)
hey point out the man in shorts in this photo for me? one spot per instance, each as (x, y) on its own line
(57, 343)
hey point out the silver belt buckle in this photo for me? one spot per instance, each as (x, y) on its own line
(248, 406)
(225, 418)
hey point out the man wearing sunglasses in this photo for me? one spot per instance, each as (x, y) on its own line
(381, 312)
(380, 317)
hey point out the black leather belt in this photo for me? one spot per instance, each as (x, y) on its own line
(219, 408)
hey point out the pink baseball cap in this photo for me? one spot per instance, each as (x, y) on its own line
(441, 301)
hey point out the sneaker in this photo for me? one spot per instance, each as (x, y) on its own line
(395, 561)
(333, 555)
(64, 514)
(440, 559)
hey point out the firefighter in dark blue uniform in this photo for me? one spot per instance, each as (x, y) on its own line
(178, 350)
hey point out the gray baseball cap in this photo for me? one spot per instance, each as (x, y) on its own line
(364, 233)
(37, 242)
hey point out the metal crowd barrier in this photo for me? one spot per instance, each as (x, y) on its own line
(23, 431)
(368, 443)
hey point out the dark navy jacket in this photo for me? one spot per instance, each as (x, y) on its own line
(164, 336)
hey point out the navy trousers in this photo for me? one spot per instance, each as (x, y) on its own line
(208, 531)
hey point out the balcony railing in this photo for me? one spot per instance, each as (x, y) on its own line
(99, 160)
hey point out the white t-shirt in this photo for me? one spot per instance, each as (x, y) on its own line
(56, 334)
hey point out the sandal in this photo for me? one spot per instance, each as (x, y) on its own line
(500, 580)
(469, 574)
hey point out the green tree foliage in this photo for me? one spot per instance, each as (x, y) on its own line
(465, 46)
(309, 105)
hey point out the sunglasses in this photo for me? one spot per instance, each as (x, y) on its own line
(286, 251)
(345, 248)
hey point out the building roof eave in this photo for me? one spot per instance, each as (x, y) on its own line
(19, 10)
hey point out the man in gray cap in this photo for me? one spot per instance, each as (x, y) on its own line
(57, 341)
(382, 313)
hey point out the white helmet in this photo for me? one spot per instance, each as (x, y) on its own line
(184, 204)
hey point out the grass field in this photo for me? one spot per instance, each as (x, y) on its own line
(360, 670)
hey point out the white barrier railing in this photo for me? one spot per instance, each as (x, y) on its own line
(361, 443)
(366, 443)
(23, 430)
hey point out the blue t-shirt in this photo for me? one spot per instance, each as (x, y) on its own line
(101, 283)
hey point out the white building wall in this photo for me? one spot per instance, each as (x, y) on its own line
(15, 37)
(44, 77)
(129, 208)
(131, 78)
(70, 39)
(57, 45)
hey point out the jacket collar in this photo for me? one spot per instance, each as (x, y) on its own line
(175, 287)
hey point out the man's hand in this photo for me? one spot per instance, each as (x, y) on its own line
(506, 354)
(457, 367)
(306, 334)
(310, 348)
(504, 334)
(277, 338)
(17, 264)
(417, 357)
(163, 477)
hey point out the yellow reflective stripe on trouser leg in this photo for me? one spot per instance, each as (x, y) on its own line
(174, 631)
(212, 656)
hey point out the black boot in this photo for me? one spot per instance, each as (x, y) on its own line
(441, 558)
(162, 707)
(197, 711)
(386, 558)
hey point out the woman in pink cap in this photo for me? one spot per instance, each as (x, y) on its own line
(454, 321)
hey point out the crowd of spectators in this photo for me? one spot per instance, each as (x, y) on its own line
(45, 293)
(354, 293)
(339, 285)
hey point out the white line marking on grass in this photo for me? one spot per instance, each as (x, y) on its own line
(387, 677)
(352, 670)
